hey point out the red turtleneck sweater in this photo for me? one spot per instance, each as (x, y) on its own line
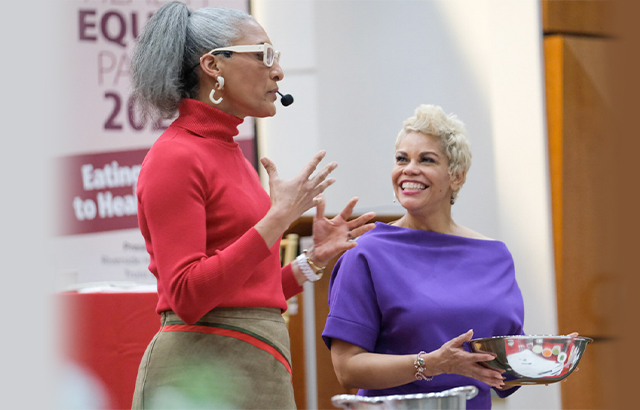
(198, 200)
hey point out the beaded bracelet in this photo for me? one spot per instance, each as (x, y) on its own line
(419, 365)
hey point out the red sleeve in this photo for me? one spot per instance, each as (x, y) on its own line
(290, 284)
(172, 199)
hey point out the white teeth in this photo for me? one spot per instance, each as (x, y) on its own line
(413, 186)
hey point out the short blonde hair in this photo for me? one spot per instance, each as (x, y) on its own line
(449, 130)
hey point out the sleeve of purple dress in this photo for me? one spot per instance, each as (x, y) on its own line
(352, 293)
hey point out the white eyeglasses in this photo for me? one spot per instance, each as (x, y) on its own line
(269, 54)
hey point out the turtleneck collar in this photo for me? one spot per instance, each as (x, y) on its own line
(207, 121)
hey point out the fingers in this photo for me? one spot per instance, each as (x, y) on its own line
(320, 182)
(484, 357)
(346, 212)
(324, 185)
(465, 337)
(270, 167)
(573, 334)
(348, 245)
(361, 230)
(326, 171)
(492, 378)
(320, 205)
(459, 340)
(311, 166)
(359, 221)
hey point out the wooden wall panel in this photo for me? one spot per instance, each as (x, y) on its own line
(582, 160)
(328, 385)
(627, 79)
(591, 17)
(553, 48)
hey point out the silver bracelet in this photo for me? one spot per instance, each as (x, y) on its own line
(303, 264)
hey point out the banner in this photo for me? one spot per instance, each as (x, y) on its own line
(98, 161)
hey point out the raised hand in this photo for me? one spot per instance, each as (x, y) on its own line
(334, 236)
(291, 198)
(453, 359)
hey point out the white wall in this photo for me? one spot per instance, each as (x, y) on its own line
(31, 117)
(357, 69)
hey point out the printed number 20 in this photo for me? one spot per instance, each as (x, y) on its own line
(137, 122)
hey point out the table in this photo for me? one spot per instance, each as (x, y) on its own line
(106, 335)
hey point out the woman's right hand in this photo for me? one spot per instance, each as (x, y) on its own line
(453, 359)
(291, 198)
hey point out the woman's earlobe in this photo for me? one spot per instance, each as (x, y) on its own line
(457, 181)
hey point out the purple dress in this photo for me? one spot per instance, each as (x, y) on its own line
(404, 290)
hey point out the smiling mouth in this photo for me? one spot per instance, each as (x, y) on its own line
(413, 186)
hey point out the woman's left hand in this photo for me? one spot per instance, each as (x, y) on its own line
(334, 236)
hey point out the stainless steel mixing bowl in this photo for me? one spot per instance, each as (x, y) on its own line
(455, 398)
(532, 359)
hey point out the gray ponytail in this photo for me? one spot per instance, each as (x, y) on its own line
(168, 48)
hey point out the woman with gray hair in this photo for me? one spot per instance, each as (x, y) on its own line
(407, 298)
(211, 230)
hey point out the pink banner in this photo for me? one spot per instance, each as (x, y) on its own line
(98, 192)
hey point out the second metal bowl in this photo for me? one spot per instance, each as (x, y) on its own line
(451, 399)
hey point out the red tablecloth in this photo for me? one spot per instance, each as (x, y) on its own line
(107, 334)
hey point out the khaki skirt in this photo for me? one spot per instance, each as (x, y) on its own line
(233, 358)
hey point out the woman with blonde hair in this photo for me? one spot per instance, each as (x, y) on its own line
(407, 298)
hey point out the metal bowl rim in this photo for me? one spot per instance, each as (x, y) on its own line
(471, 392)
(562, 337)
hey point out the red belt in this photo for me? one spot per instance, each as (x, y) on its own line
(231, 331)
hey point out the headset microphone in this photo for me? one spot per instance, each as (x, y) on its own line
(285, 99)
